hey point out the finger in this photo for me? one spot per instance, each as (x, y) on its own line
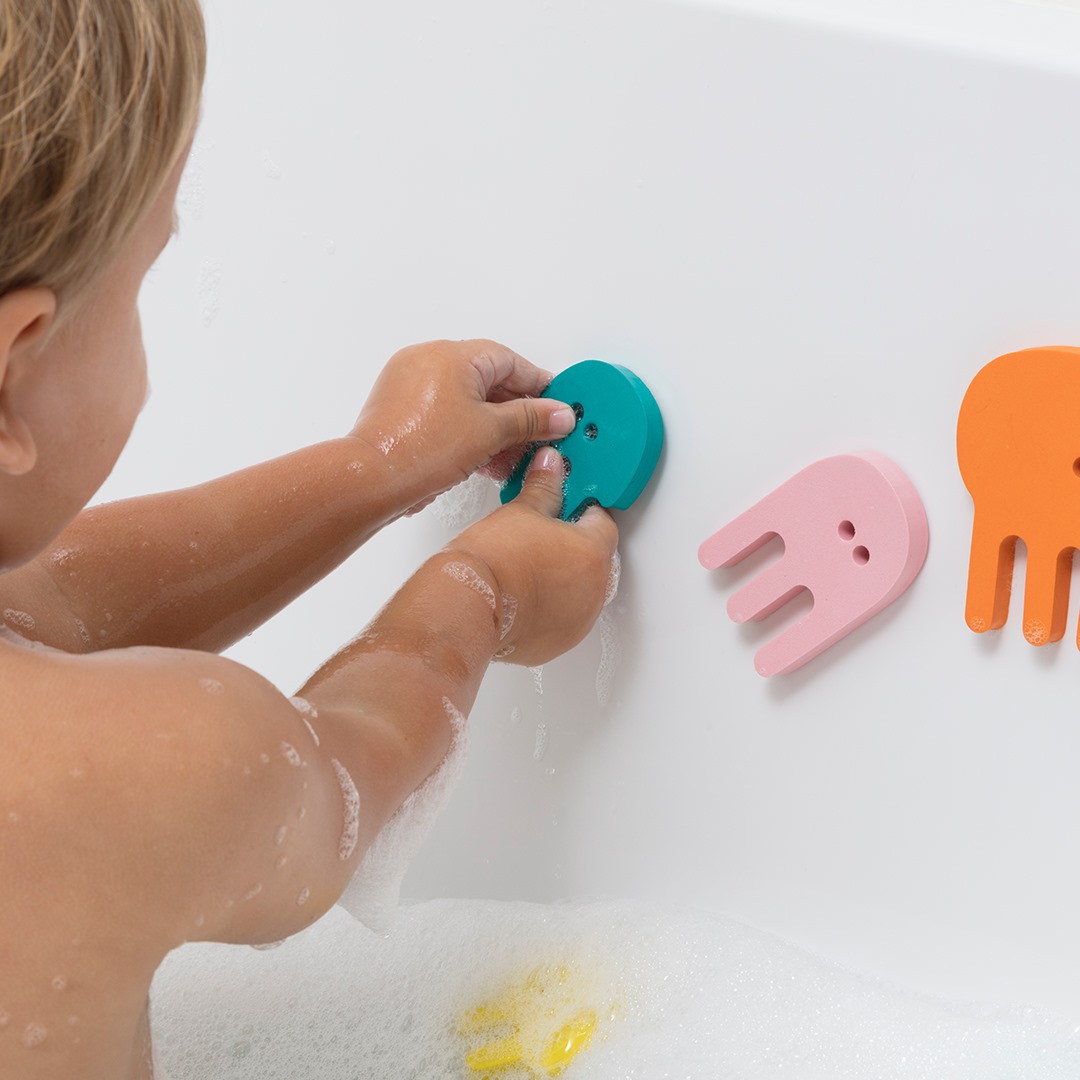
(543, 487)
(502, 368)
(601, 524)
(528, 420)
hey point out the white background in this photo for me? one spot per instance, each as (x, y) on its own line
(807, 235)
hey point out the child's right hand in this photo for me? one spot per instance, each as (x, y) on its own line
(441, 410)
(552, 574)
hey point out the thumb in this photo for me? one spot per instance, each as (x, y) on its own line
(529, 420)
(599, 523)
(542, 489)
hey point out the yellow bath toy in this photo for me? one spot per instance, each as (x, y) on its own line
(539, 1025)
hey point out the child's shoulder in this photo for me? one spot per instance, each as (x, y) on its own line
(101, 752)
(164, 760)
(61, 759)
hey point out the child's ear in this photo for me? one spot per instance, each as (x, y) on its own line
(26, 316)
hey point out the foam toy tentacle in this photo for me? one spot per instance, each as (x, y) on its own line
(1046, 594)
(766, 593)
(990, 571)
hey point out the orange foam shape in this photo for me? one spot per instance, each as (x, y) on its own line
(1018, 444)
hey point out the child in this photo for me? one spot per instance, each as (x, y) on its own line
(152, 792)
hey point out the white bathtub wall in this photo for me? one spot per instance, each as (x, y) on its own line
(807, 236)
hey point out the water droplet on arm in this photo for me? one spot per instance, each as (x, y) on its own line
(289, 753)
(34, 1035)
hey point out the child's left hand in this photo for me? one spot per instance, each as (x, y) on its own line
(442, 410)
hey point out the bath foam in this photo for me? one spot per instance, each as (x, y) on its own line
(467, 576)
(610, 655)
(677, 992)
(466, 503)
(374, 892)
(20, 619)
(614, 578)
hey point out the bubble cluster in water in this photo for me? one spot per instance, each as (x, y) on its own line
(676, 992)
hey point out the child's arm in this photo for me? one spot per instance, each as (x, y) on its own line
(202, 567)
(159, 795)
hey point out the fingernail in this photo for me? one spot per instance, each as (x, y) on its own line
(562, 421)
(546, 458)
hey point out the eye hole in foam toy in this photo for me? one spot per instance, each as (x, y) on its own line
(615, 447)
(855, 536)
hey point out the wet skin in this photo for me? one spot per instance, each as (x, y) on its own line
(152, 792)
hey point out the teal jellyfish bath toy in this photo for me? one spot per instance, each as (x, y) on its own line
(615, 446)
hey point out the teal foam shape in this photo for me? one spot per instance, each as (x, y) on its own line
(616, 444)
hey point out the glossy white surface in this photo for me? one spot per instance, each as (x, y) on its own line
(806, 235)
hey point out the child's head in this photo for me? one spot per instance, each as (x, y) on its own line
(98, 105)
(98, 98)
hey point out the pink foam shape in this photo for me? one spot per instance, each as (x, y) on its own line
(855, 536)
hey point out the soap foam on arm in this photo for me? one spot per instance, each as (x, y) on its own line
(374, 892)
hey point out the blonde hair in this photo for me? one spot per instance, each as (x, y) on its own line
(98, 99)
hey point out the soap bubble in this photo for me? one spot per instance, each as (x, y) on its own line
(464, 504)
(372, 895)
(675, 992)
